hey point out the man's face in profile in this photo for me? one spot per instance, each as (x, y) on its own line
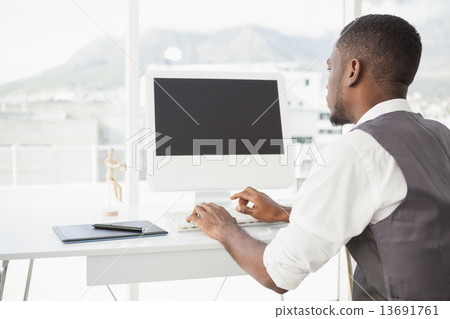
(334, 96)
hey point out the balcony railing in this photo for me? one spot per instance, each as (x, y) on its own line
(47, 164)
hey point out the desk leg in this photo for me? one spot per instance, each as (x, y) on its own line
(3, 271)
(112, 294)
(27, 287)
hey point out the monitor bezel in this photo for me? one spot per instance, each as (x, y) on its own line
(159, 180)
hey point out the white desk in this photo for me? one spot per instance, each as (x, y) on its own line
(28, 213)
(28, 234)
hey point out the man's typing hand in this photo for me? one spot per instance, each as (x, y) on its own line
(264, 209)
(248, 252)
(212, 219)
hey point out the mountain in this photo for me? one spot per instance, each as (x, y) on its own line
(100, 64)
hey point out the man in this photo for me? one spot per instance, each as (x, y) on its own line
(384, 191)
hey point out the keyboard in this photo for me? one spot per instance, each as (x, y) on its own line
(178, 220)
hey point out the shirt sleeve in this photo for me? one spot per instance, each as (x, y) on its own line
(334, 204)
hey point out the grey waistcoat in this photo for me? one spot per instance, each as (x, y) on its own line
(406, 256)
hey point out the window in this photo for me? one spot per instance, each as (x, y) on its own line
(62, 82)
(324, 116)
(430, 92)
(302, 139)
(330, 131)
(61, 90)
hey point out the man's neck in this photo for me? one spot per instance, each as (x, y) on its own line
(370, 98)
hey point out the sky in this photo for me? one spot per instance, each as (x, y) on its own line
(37, 35)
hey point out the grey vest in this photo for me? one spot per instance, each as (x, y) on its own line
(406, 256)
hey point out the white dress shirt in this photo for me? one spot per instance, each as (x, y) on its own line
(360, 184)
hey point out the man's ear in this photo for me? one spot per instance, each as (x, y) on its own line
(354, 73)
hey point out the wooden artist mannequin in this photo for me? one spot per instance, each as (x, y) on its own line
(111, 164)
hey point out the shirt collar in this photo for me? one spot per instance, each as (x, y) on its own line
(385, 107)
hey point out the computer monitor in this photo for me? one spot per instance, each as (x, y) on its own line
(217, 131)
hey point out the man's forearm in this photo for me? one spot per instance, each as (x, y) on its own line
(248, 253)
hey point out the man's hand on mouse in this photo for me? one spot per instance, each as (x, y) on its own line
(264, 209)
(212, 219)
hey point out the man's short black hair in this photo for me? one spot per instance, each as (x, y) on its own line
(388, 45)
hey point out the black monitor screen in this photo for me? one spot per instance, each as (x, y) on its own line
(208, 110)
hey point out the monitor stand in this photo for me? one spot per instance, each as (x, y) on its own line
(219, 197)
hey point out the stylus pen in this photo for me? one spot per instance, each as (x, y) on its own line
(118, 227)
